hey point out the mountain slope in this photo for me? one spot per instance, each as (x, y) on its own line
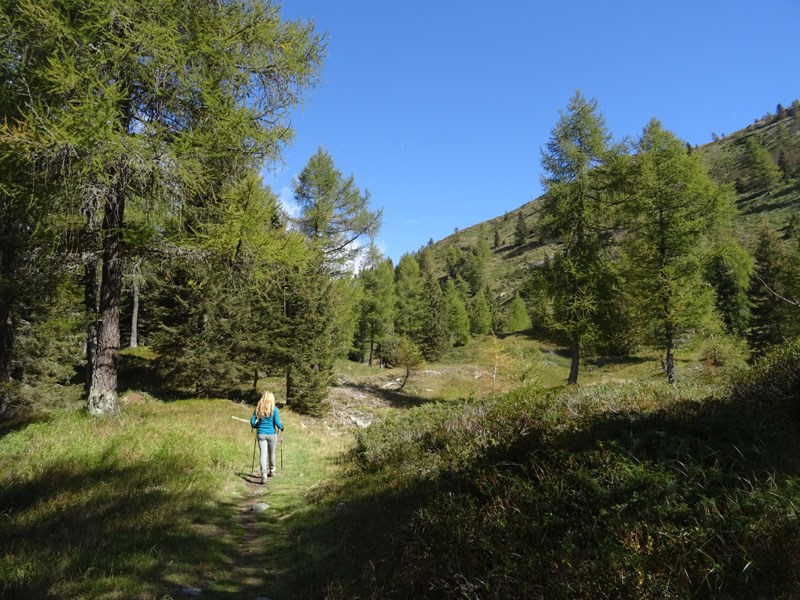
(728, 162)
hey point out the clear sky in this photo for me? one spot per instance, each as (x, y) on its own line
(440, 108)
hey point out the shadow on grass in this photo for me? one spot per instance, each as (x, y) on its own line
(702, 497)
(520, 250)
(116, 530)
(21, 419)
(137, 373)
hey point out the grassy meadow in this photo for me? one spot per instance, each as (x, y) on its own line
(465, 485)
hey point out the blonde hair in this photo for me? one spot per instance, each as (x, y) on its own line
(265, 405)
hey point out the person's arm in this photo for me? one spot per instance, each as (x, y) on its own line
(253, 421)
(276, 418)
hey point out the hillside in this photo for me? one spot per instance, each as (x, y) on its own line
(726, 160)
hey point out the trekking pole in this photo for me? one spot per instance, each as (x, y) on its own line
(281, 444)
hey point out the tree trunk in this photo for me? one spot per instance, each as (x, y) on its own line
(670, 364)
(90, 303)
(6, 342)
(103, 398)
(6, 321)
(289, 384)
(371, 346)
(573, 368)
(135, 316)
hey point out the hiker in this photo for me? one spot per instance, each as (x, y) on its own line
(266, 421)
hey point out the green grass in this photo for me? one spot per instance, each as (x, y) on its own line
(641, 490)
(146, 505)
(638, 490)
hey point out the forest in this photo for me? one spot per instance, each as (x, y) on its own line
(603, 381)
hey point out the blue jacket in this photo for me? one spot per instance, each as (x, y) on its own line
(269, 425)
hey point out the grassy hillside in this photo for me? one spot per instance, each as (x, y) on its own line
(725, 160)
(158, 502)
(624, 491)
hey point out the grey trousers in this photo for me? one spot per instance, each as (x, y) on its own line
(267, 442)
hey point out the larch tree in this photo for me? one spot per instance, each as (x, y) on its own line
(377, 304)
(435, 338)
(674, 204)
(480, 316)
(575, 213)
(334, 212)
(409, 307)
(155, 99)
(772, 318)
(518, 317)
(764, 172)
(458, 320)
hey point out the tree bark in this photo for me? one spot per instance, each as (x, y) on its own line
(573, 368)
(135, 316)
(90, 303)
(670, 363)
(6, 321)
(6, 342)
(103, 399)
(289, 384)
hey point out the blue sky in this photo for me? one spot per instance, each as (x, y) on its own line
(440, 109)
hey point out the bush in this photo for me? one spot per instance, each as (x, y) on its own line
(634, 491)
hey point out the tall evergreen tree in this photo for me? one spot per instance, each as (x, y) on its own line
(145, 100)
(377, 305)
(334, 212)
(772, 318)
(457, 315)
(410, 303)
(480, 316)
(518, 318)
(435, 338)
(675, 204)
(727, 268)
(575, 213)
(521, 230)
(764, 173)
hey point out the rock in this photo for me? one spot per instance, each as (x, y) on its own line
(431, 372)
(260, 507)
(360, 422)
(191, 592)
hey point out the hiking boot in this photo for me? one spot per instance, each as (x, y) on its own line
(272, 473)
(263, 478)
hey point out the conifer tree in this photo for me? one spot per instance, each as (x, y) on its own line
(141, 102)
(480, 316)
(764, 173)
(518, 318)
(457, 315)
(772, 319)
(575, 213)
(455, 260)
(377, 305)
(409, 297)
(727, 268)
(335, 214)
(674, 206)
(435, 339)
(521, 230)
(497, 240)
